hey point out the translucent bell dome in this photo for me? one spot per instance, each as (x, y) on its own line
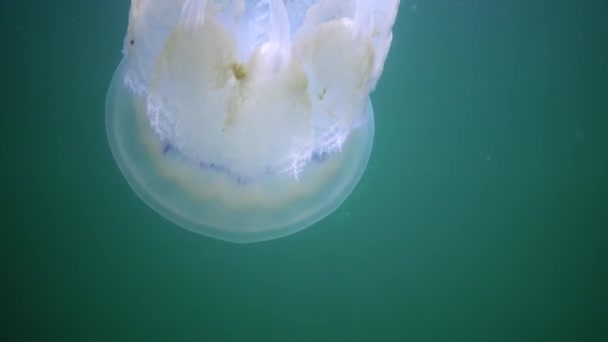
(247, 120)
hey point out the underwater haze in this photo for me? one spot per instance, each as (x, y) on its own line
(482, 214)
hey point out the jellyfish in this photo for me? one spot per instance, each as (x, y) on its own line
(247, 120)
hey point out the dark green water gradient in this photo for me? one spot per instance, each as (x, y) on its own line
(482, 216)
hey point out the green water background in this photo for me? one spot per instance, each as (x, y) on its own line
(483, 215)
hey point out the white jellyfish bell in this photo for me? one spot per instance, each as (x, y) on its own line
(247, 120)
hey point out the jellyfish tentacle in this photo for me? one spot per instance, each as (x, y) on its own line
(193, 14)
(279, 36)
(279, 21)
(364, 19)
